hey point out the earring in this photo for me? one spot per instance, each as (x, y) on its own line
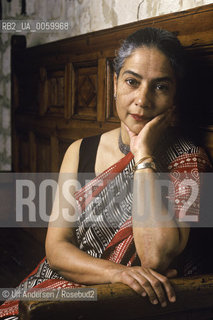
(115, 97)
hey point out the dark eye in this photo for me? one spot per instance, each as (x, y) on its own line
(132, 82)
(162, 87)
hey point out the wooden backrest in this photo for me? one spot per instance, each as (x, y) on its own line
(63, 91)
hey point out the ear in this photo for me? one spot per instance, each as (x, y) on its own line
(115, 78)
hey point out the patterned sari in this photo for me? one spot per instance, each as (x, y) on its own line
(105, 225)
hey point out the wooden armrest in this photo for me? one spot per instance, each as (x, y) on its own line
(118, 301)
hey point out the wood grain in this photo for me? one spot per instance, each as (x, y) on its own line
(117, 301)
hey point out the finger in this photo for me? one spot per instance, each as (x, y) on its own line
(146, 285)
(171, 273)
(157, 287)
(166, 284)
(158, 119)
(133, 283)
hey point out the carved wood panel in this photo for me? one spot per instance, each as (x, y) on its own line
(55, 83)
(55, 90)
(86, 77)
(52, 90)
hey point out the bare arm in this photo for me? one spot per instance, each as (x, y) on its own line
(61, 250)
(158, 239)
(156, 243)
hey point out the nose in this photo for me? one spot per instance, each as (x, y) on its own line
(143, 98)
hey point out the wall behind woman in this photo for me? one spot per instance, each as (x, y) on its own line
(83, 16)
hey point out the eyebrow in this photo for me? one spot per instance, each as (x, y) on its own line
(133, 73)
(167, 79)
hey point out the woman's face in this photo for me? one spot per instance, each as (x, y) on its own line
(145, 88)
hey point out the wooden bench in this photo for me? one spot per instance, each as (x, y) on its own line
(117, 301)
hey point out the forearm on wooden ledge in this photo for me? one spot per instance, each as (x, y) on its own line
(77, 266)
(157, 235)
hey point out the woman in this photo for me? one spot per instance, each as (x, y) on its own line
(112, 241)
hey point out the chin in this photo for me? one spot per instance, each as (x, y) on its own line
(137, 128)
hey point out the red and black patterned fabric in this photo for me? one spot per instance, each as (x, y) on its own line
(105, 225)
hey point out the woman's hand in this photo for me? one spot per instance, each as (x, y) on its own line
(146, 281)
(145, 142)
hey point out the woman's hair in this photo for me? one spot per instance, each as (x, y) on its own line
(163, 40)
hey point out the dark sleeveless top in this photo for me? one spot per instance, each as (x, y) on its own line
(196, 257)
(87, 158)
(87, 154)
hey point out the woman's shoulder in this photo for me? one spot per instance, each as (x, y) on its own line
(90, 145)
(75, 147)
(71, 157)
(179, 147)
(183, 145)
(103, 139)
(86, 149)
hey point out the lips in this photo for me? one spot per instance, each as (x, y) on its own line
(138, 117)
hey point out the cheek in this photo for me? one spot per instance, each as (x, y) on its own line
(172, 97)
(122, 109)
(166, 101)
(121, 102)
(119, 108)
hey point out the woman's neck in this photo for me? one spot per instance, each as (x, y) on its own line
(124, 135)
